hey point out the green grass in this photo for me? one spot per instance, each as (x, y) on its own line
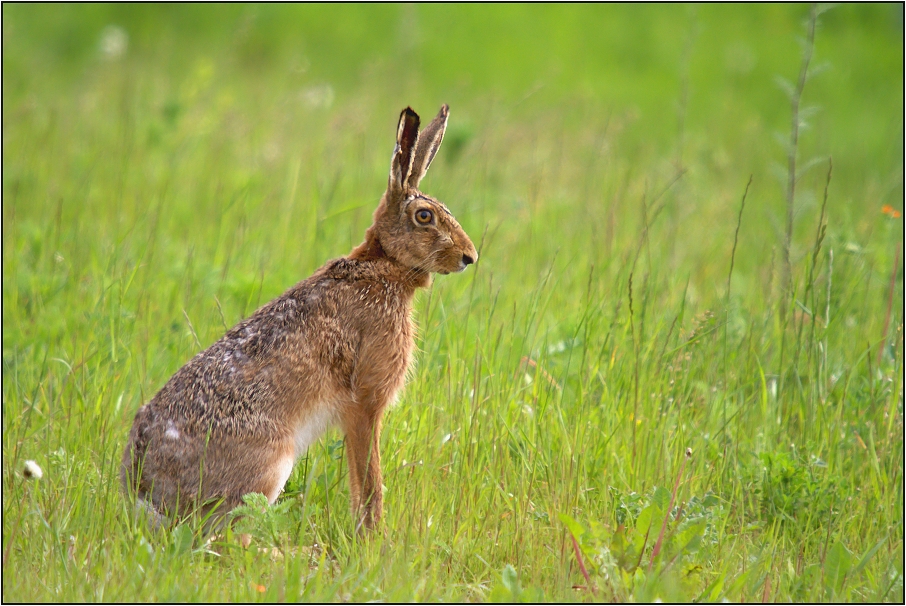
(599, 155)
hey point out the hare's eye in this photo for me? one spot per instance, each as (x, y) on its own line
(424, 216)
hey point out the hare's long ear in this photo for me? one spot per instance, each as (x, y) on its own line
(406, 143)
(428, 143)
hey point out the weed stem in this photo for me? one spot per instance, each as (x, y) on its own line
(791, 159)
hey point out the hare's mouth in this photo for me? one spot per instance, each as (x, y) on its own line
(458, 270)
(460, 267)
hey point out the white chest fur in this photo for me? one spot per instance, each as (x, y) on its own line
(308, 431)
(312, 426)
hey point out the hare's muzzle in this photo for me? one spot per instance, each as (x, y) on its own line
(465, 262)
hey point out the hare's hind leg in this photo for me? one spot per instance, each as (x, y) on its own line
(362, 426)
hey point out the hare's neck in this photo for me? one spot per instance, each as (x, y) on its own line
(371, 251)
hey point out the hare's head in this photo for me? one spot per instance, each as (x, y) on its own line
(413, 228)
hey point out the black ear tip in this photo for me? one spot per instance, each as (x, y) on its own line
(409, 113)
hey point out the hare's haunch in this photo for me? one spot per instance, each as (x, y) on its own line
(332, 350)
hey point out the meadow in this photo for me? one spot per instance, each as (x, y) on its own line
(676, 372)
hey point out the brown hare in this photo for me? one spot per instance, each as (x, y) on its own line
(332, 350)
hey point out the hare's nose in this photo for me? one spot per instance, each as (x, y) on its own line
(467, 260)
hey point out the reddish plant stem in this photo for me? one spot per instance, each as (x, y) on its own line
(581, 563)
(766, 594)
(660, 538)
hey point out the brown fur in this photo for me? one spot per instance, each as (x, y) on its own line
(333, 349)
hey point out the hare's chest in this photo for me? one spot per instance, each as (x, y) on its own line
(386, 353)
(396, 343)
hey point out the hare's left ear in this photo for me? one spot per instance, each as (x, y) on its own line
(428, 143)
(404, 152)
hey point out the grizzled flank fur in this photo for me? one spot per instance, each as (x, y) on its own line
(332, 350)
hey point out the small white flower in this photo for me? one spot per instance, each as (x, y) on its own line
(114, 41)
(321, 95)
(32, 471)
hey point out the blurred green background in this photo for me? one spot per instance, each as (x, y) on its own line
(620, 97)
(632, 60)
(697, 84)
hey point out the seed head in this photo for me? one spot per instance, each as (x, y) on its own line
(32, 471)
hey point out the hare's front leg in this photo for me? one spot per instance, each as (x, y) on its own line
(362, 425)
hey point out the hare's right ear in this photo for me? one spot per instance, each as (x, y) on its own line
(406, 139)
(428, 143)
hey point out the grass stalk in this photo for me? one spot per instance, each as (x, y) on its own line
(742, 207)
(792, 151)
(635, 376)
(893, 281)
